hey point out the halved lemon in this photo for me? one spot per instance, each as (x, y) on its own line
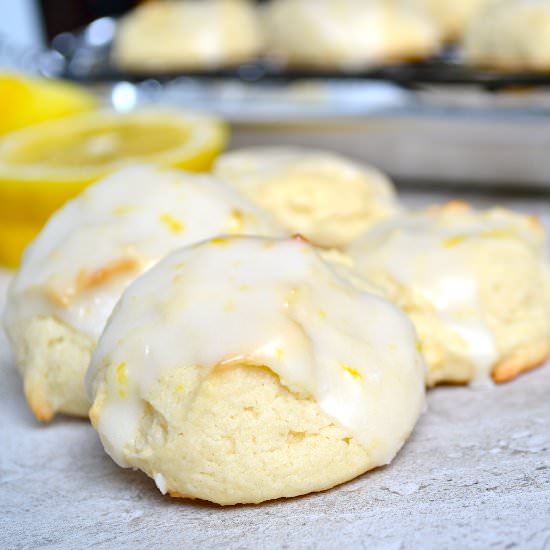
(45, 164)
(27, 100)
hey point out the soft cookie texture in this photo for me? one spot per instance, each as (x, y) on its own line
(187, 34)
(246, 369)
(475, 283)
(348, 34)
(73, 274)
(328, 199)
(511, 35)
(452, 16)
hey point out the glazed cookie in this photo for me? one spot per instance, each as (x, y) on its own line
(73, 274)
(327, 198)
(348, 34)
(511, 35)
(452, 16)
(246, 369)
(186, 35)
(475, 283)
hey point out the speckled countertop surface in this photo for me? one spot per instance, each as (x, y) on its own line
(475, 474)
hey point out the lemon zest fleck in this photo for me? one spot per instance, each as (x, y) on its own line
(123, 209)
(237, 221)
(172, 223)
(354, 372)
(322, 314)
(180, 387)
(220, 241)
(121, 374)
(177, 278)
(499, 233)
(455, 240)
(279, 353)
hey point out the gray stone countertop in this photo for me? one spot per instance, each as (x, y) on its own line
(475, 474)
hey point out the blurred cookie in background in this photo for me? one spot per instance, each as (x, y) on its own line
(347, 34)
(167, 36)
(511, 35)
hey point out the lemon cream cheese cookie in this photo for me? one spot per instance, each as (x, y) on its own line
(74, 272)
(348, 34)
(244, 369)
(475, 283)
(327, 198)
(187, 34)
(511, 35)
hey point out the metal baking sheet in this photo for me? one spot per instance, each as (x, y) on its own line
(430, 147)
(475, 474)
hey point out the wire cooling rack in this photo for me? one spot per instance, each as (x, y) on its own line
(86, 57)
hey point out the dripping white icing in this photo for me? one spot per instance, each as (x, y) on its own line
(268, 303)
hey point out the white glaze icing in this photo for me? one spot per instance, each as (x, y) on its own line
(127, 222)
(160, 482)
(272, 303)
(255, 167)
(428, 255)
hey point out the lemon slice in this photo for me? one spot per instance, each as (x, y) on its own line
(45, 164)
(25, 100)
